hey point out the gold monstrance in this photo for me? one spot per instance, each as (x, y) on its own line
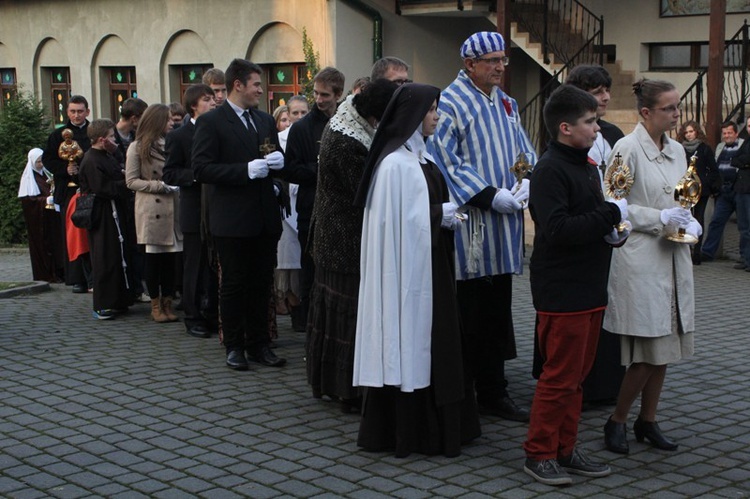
(618, 180)
(267, 148)
(520, 169)
(71, 152)
(687, 193)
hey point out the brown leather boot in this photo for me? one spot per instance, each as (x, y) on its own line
(156, 312)
(166, 306)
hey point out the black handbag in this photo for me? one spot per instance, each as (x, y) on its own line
(83, 216)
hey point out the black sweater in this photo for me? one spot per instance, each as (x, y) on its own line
(570, 261)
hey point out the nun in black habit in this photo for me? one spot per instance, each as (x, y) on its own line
(408, 341)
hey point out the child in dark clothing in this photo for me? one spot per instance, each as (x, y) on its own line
(574, 227)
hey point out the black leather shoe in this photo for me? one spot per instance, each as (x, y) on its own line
(197, 330)
(616, 437)
(236, 360)
(80, 288)
(506, 409)
(265, 356)
(651, 432)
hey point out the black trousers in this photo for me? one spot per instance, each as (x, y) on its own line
(194, 277)
(247, 265)
(487, 331)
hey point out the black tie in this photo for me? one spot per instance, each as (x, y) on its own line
(246, 116)
(251, 130)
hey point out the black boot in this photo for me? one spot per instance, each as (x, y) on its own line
(616, 437)
(651, 432)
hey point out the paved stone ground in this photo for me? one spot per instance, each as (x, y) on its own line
(127, 408)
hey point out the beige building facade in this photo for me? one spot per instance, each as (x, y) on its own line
(108, 50)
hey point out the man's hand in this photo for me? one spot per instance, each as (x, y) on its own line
(505, 202)
(257, 168)
(275, 160)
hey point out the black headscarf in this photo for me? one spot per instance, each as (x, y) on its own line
(406, 110)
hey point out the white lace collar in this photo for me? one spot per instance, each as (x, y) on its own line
(350, 123)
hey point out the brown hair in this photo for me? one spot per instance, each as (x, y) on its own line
(150, 129)
(699, 133)
(647, 92)
(98, 129)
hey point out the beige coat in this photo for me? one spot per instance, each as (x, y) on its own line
(644, 271)
(156, 209)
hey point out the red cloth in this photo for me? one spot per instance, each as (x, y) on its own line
(567, 343)
(76, 239)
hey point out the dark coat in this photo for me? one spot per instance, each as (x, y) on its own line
(569, 265)
(705, 167)
(337, 223)
(178, 171)
(59, 167)
(222, 148)
(302, 149)
(742, 162)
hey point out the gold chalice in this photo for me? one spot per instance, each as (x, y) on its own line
(687, 193)
(618, 180)
(520, 169)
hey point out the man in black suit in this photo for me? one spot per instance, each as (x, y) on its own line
(198, 100)
(77, 272)
(243, 212)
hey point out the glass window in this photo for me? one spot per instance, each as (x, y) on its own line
(60, 91)
(7, 85)
(190, 75)
(284, 81)
(670, 56)
(122, 86)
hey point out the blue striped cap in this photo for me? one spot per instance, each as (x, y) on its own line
(482, 43)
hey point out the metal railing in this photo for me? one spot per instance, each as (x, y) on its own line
(734, 92)
(569, 31)
(531, 113)
(563, 27)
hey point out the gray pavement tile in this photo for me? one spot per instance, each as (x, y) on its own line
(167, 410)
(27, 493)
(69, 492)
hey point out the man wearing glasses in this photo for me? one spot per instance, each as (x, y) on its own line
(391, 68)
(478, 139)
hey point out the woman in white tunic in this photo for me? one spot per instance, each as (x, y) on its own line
(407, 348)
(651, 277)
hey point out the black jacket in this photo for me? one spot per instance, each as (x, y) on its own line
(569, 265)
(59, 167)
(178, 171)
(742, 161)
(302, 149)
(222, 147)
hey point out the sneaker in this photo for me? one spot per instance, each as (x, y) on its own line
(103, 315)
(547, 471)
(143, 298)
(740, 266)
(579, 464)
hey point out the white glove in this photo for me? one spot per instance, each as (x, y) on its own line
(171, 188)
(623, 205)
(694, 228)
(451, 220)
(257, 168)
(675, 216)
(521, 191)
(275, 160)
(504, 202)
(616, 238)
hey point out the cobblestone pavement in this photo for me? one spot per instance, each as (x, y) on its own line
(129, 408)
